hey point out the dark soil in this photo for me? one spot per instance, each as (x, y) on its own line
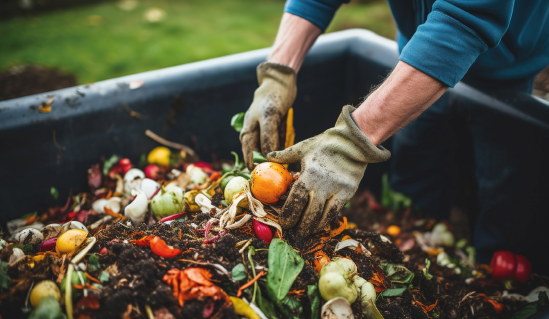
(26, 80)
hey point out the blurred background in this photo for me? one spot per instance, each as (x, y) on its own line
(51, 44)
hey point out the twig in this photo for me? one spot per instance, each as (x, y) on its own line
(167, 143)
(134, 113)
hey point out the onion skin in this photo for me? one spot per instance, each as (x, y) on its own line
(49, 244)
(269, 181)
(262, 231)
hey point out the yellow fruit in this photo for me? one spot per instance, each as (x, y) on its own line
(43, 289)
(160, 156)
(70, 240)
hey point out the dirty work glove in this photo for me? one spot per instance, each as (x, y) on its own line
(332, 165)
(272, 100)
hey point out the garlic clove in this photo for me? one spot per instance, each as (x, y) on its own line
(52, 230)
(136, 210)
(337, 308)
(16, 256)
(112, 203)
(73, 225)
(29, 236)
(149, 187)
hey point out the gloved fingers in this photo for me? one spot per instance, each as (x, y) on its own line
(250, 142)
(294, 205)
(292, 154)
(332, 207)
(269, 122)
(312, 214)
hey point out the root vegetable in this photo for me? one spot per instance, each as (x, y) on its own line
(168, 201)
(269, 181)
(368, 301)
(337, 280)
(262, 231)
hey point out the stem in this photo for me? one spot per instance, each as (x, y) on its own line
(251, 252)
(68, 292)
(236, 161)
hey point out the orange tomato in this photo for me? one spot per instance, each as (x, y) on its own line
(393, 230)
(270, 181)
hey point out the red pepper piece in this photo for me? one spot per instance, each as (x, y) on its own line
(508, 266)
(145, 241)
(159, 247)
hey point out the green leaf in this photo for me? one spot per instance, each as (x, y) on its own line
(27, 247)
(348, 204)
(237, 121)
(258, 157)
(397, 272)
(239, 272)
(284, 267)
(314, 298)
(54, 193)
(426, 269)
(93, 262)
(527, 311)
(4, 278)
(48, 308)
(104, 277)
(393, 292)
(266, 306)
(109, 163)
(291, 307)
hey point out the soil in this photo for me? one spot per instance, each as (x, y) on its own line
(26, 80)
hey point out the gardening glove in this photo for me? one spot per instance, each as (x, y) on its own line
(273, 98)
(332, 165)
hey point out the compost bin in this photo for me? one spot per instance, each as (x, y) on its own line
(193, 104)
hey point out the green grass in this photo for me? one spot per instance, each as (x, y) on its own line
(124, 42)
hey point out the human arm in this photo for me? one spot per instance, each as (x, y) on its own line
(277, 86)
(404, 95)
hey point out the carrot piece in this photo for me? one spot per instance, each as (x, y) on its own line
(342, 226)
(249, 283)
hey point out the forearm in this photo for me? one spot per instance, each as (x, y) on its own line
(294, 39)
(405, 94)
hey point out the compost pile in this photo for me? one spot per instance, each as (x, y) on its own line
(177, 240)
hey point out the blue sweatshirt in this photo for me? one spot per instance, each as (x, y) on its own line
(487, 43)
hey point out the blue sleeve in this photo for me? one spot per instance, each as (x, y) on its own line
(318, 12)
(455, 34)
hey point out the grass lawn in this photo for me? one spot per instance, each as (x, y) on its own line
(104, 41)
